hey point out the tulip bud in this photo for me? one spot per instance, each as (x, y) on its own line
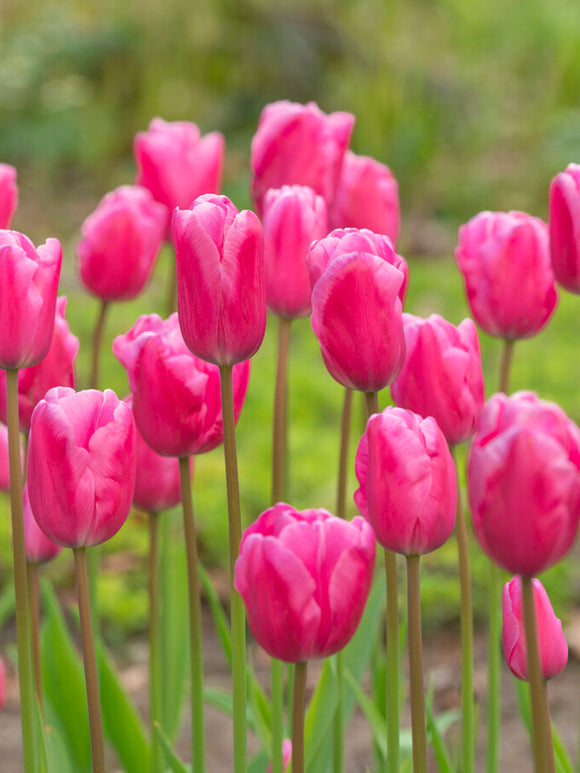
(286, 755)
(39, 549)
(565, 227)
(552, 643)
(8, 194)
(305, 579)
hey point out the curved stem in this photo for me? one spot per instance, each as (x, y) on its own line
(90, 661)
(416, 665)
(298, 717)
(154, 643)
(97, 342)
(194, 600)
(32, 578)
(237, 605)
(20, 581)
(506, 361)
(279, 439)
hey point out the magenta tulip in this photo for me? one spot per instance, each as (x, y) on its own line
(524, 482)
(505, 261)
(4, 463)
(407, 478)
(39, 549)
(304, 578)
(357, 318)
(176, 396)
(220, 279)
(121, 240)
(294, 216)
(565, 227)
(8, 194)
(367, 197)
(552, 643)
(81, 465)
(442, 374)
(28, 287)
(299, 145)
(177, 164)
(2, 684)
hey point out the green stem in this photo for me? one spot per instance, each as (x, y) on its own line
(237, 605)
(548, 726)
(542, 735)
(466, 623)
(154, 643)
(416, 665)
(372, 401)
(90, 661)
(393, 752)
(494, 669)
(97, 343)
(277, 715)
(506, 361)
(279, 439)
(25, 676)
(194, 600)
(32, 578)
(298, 717)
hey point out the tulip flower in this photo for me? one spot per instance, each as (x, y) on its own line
(2, 684)
(298, 145)
(81, 465)
(294, 216)
(39, 549)
(442, 374)
(524, 482)
(220, 279)
(8, 194)
(177, 164)
(357, 318)
(565, 227)
(286, 755)
(305, 578)
(28, 287)
(505, 261)
(553, 646)
(121, 239)
(367, 197)
(4, 461)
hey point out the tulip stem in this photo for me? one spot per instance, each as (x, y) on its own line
(34, 606)
(154, 643)
(25, 676)
(90, 661)
(298, 717)
(392, 663)
(97, 343)
(416, 665)
(494, 669)
(195, 652)
(279, 439)
(372, 400)
(237, 605)
(277, 718)
(542, 733)
(466, 624)
(506, 361)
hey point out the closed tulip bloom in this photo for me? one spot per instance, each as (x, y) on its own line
(565, 227)
(305, 579)
(342, 241)
(220, 279)
(367, 197)
(442, 374)
(28, 287)
(4, 462)
(552, 643)
(408, 490)
(177, 164)
(121, 240)
(505, 261)
(56, 369)
(39, 549)
(81, 465)
(357, 318)
(524, 482)
(176, 395)
(299, 145)
(8, 194)
(294, 216)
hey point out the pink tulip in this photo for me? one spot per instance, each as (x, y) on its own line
(442, 374)
(505, 261)
(176, 396)
(220, 280)
(552, 643)
(342, 241)
(299, 145)
(4, 464)
(28, 287)
(407, 478)
(524, 482)
(357, 318)
(565, 227)
(56, 369)
(305, 579)
(367, 197)
(2, 684)
(177, 164)
(120, 242)
(39, 549)
(286, 755)
(8, 194)
(293, 217)
(81, 465)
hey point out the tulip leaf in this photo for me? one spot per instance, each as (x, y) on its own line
(40, 743)
(374, 717)
(176, 765)
(7, 604)
(217, 611)
(259, 763)
(436, 727)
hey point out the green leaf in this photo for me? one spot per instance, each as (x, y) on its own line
(7, 604)
(259, 709)
(374, 717)
(259, 763)
(173, 760)
(218, 613)
(436, 727)
(40, 743)
(562, 758)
